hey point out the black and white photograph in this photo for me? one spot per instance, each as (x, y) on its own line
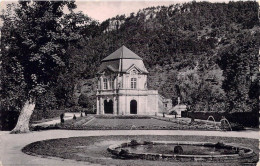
(129, 82)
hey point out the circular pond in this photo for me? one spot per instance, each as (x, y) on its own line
(93, 149)
(182, 151)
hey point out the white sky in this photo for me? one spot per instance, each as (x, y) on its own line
(103, 9)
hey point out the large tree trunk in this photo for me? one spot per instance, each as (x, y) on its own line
(22, 125)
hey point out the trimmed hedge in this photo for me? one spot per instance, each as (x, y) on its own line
(247, 119)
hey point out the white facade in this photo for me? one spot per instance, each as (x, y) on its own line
(122, 86)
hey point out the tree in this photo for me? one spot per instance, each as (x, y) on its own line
(188, 85)
(239, 63)
(201, 92)
(84, 101)
(12, 89)
(37, 38)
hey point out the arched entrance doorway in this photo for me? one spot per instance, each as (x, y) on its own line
(108, 107)
(133, 107)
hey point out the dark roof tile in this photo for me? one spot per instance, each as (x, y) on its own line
(122, 53)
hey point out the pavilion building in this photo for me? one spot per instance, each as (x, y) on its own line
(122, 86)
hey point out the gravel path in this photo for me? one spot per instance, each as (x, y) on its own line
(57, 120)
(11, 144)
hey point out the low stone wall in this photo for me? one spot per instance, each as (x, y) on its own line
(118, 150)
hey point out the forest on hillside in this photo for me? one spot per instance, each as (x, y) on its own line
(206, 53)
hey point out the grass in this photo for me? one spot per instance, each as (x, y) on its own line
(94, 149)
(101, 122)
(129, 123)
(106, 122)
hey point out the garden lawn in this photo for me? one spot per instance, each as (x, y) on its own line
(129, 123)
(101, 122)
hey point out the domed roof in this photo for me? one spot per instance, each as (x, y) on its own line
(122, 60)
(122, 53)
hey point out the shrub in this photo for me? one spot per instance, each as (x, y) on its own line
(62, 118)
(173, 112)
(74, 117)
(123, 152)
(219, 145)
(241, 153)
(237, 126)
(84, 101)
(89, 112)
(75, 109)
(134, 142)
(178, 149)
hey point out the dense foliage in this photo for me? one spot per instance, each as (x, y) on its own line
(206, 53)
(240, 65)
(34, 42)
(185, 48)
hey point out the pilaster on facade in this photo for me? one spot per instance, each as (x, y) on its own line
(101, 105)
(114, 105)
(98, 110)
(101, 83)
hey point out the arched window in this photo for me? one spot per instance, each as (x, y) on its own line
(105, 83)
(133, 83)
